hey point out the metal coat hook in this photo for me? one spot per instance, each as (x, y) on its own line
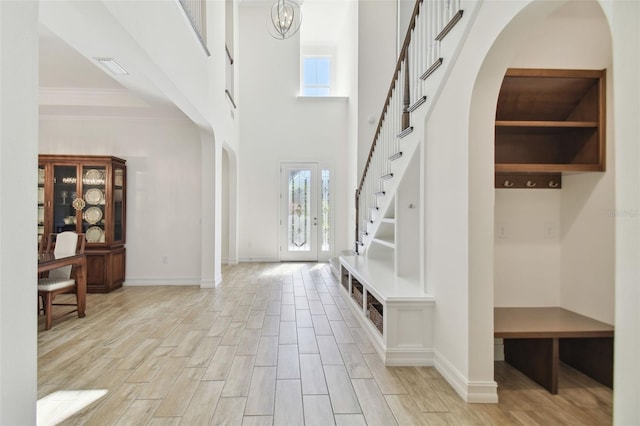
(508, 184)
(553, 184)
(531, 184)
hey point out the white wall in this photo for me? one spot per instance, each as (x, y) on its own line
(377, 57)
(573, 267)
(163, 188)
(225, 209)
(18, 164)
(527, 260)
(348, 56)
(277, 126)
(624, 19)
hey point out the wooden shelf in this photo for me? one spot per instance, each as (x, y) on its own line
(550, 120)
(529, 123)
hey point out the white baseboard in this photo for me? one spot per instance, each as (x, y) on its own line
(258, 259)
(483, 392)
(230, 261)
(210, 283)
(408, 357)
(150, 281)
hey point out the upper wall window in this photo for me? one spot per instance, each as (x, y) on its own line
(316, 72)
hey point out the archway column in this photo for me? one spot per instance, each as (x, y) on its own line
(18, 244)
(211, 216)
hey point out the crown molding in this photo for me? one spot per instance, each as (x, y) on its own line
(68, 96)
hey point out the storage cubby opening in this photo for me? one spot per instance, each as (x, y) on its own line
(344, 277)
(356, 291)
(376, 312)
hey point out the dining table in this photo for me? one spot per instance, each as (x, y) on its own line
(48, 261)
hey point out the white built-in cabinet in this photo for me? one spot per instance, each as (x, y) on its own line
(395, 312)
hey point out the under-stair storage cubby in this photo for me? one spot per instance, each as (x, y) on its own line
(397, 315)
(344, 277)
(549, 120)
(356, 291)
(375, 312)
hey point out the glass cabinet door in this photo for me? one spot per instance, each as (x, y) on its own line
(64, 192)
(118, 203)
(94, 195)
(41, 176)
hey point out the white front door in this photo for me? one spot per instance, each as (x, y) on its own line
(299, 212)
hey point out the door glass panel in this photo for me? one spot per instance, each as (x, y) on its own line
(64, 192)
(325, 211)
(299, 221)
(118, 203)
(93, 214)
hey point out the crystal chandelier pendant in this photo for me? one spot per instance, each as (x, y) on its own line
(286, 18)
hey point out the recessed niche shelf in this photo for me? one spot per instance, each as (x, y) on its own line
(550, 120)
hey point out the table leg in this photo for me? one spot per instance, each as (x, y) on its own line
(537, 358)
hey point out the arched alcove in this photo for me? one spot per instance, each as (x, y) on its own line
(563, 35)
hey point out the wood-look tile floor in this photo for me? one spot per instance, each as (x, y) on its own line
(275, 344)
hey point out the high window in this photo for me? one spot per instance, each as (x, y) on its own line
(316, 72)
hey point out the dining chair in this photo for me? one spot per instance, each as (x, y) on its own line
(59, 280)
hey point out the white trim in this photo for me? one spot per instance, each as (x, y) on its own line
(119, 114)
(413, 357)
(258, 259)
(151, 281)
(472, 392)
(230, 261)
(208, 284)
(89, 97)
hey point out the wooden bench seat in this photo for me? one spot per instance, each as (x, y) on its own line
(537, 339)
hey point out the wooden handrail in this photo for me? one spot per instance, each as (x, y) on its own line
(401, 59)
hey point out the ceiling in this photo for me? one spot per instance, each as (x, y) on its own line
(72, 84)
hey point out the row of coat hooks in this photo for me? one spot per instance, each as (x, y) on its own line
(512, 180)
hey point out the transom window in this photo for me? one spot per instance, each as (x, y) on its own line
(316, 71)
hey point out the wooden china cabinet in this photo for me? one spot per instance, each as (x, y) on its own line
(87, 194)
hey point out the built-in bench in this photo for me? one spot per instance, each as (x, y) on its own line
(396, 312)
(537, 339)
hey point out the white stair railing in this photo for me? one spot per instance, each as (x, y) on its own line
(419, 57)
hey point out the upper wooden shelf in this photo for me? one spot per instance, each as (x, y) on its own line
(550, 120)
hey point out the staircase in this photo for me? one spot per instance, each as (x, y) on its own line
(383, 277)
(389, 196)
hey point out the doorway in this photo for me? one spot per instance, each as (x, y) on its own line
(304, 212)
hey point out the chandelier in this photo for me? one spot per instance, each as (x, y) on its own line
(286, 18)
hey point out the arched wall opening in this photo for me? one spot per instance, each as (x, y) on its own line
(556, 247)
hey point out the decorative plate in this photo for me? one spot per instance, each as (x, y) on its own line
(93, 177)
(93, 215)
(94, 234)
(94, 196)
